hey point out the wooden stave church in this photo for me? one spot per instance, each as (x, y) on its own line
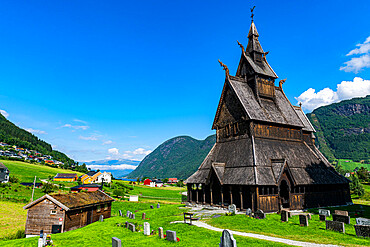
(265, 155)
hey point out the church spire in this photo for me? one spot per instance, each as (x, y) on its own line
(254, 48)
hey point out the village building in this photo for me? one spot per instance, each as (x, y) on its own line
(65, 212)
(172, 181)
(4, 173)
(86, 187)
(66, 177)
(96, 177)
(147, 182)
(265, 155)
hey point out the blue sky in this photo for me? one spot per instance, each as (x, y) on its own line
(114, 79)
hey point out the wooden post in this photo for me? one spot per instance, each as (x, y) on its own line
(257, 198)
(231, 194)
(197, 194)
(241, 197)
(190, 194)
(33, 190)
(204, 194)
(222, 196)
(211, 196)
(252, 198)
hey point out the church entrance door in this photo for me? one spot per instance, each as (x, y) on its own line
(284, 194)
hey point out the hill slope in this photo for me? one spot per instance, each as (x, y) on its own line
(13, 135)
(178, 157)
(343, 129)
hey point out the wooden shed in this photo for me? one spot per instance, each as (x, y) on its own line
(66, 177)
(265, 155)
(65, 212)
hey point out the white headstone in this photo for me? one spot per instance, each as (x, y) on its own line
(116, 242)
(134, 198)
(324, 212)
(227, 239)
(232, 208)
(120, 213)
(362, 221)
(101, 218)
(171, 236)
(146, 228)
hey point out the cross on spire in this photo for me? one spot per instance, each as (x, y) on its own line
(252, 15)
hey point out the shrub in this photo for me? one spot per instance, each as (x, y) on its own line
(13, 179)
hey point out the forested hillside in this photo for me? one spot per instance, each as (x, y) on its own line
(13, 135)
(178, 157)
(343, 129)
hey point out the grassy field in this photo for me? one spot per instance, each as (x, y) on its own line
(26, 172)
(12, 218)
(351, 165)
(18, 193)
(101, 233)
(272, 226)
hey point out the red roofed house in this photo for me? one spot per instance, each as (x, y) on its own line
(147, 181)
(172, 180)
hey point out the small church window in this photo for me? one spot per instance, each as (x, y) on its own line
(53, 212)
(258, 57)
(98, 208)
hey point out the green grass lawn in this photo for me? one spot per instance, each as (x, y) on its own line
(12, 218)
(26, 172)
(101, 233)
(351, 165)
(18, 193)
(315, 232)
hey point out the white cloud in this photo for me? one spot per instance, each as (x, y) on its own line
(80, 121)
(33, 131)
(88, 138)
(358, 63)
(113, 151)
(83, 127)
(345, 90)
(141, 151)
(4, 113)
(107, 142)
(137, 154)
(112, 167)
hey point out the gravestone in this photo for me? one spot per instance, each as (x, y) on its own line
(340, 212)
(303, 220)
(133, 216)
(126, 224)
(248, 212)
(231, 209)
(171, 235)
(259, 214)
(128, 214)
(120, 213)
(335, 226)
(284, 215)
(101, 218)
(227, 239)
(158, 206)
(342, 218)
(322, 217)
(324, 212)
(131, 227)
(146, 228)
(160, 232)
(362, 231)
(363, 221)
(151, 207)
(309, 216)
(290, 214)
(40, 243)
(143, 216)
(116, 242)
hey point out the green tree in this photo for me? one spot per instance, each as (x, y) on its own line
(13, 179)
(48, 188)
(356, 187)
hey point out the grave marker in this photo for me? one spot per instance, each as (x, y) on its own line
(322, 217)
(116, 242)
(284, 215)
(160, 232)
(171, 235)
(158, 206)
(227, 239)
(340, 212)
(101, 218)
(342, 218)
(131, 227)
(335, 226)
(324, 212)
(362, 231)
(151, 207)
(259, 214)
(146, 228)
(120, 213)
(133, 216)
(143, 216)
(248, 212)
(363, 221)
(126, 224)
(232, 209)
(128, 214)
(303, 220)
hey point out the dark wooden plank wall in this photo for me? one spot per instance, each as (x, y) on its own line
(266, 88)
(277, 132)
(296, 201)
(268, 203)
(39, 217)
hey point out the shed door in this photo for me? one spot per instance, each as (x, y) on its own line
(56, 229)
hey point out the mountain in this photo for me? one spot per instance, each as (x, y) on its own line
(178, 157)
(118, 168)
(343, 129)
(13, 135)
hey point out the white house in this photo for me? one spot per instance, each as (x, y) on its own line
(105, 176)
(4, 174)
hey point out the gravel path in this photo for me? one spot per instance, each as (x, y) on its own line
(259, 236)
